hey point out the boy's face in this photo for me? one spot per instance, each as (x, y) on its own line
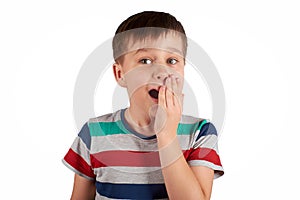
(146, 67)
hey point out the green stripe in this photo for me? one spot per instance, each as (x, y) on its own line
(202, 123)
(107, 128)
(187, 129)
(113, 128)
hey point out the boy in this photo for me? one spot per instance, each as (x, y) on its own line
(148, 150)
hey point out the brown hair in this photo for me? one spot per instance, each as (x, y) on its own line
(146, 24)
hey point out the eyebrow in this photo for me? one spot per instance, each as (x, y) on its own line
(168, 49)
(139, 50)
(174, 50)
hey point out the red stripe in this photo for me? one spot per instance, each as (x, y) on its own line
(206, 154)
(147, 159)
(77, 162)
(125, 158)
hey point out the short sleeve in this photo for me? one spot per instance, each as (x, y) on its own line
(204, 150)
(78, 156)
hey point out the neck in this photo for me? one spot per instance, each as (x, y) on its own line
(139, 120)
(138, 116)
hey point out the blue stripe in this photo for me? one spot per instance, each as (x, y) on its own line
(85, 135)
(132, 191)
(207, 129)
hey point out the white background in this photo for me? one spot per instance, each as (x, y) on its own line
(254, 45)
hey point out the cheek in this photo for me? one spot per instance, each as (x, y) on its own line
(139, 93)
(137, 78)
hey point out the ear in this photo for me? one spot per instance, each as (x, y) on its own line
(119, 76)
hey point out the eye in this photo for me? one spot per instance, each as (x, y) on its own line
(145, 61)
(172, 61)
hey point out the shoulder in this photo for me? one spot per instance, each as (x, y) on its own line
(191, 124)
(187, 119)
(109, 117)
(105, 125)
(198, 126)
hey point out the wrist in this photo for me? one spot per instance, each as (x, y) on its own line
(170, 152)
(166, 136)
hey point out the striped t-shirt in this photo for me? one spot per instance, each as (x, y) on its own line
(125, 164)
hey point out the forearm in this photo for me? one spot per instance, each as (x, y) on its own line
(83, 189)
(180, 181)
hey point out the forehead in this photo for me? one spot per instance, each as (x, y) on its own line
(171, 50)
(170, 42)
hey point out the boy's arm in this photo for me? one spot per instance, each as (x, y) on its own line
(181, 180)
(83, 188)
(205, 177)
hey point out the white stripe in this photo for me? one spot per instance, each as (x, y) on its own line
(110, 117)
(122, 142)
(80, 148)
(131, 175)
(129, 142)
(185, 141)
(99, 197)
(186, 119)
(116, 116)
(207, 141)
(219, 171)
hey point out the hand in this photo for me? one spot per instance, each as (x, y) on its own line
(170, 101)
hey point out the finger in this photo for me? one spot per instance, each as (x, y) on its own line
(174, 88)
(162, 96)
(181, 101)
(179, 83)
(169, 98)
(174, 83)
(178, 103)
(168, 83)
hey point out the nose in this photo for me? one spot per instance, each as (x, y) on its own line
(160, 73)
(161, 76)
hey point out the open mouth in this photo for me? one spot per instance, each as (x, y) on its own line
(153, 93)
